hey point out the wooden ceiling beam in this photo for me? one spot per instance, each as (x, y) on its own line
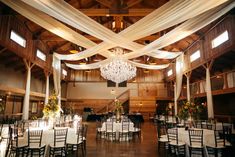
(131, 3)
(106, 12)
(37, 34)
(56, 47)
(105, 3)
(3, 50)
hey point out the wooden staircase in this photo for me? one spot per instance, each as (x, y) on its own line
(123, 98)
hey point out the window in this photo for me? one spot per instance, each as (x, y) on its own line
(64, 72)
(195, 56)
(41, 55)
(169, 73)
(18, 39)
(220, 39)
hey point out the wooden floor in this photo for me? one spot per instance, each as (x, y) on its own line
(145, 147)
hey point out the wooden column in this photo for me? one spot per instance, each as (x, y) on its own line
(29, 66)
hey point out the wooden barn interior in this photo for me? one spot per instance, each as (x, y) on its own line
(199, 35)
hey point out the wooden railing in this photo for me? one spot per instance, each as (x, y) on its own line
(123, 97)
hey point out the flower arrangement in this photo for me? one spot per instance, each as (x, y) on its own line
(118, 106)
(191, 110)
(2, 106)
(52, 109)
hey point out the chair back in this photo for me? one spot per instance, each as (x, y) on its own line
(227, 131)
(109, 126)
(172, 135)
(125, 126)
(35, 137)
(84, 131)
(79, 135)
(196, 137)
(219, 138)
(13, 136)
(1, 127)
(60, 136)
(161, 129)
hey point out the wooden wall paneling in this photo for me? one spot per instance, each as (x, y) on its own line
(226, 24)
(37, 44)
(79, 105)
(145, 106)
(193, 49)
(20, 29)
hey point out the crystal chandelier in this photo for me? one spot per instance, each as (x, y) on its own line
(118, 70)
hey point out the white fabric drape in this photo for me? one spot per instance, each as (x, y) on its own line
(56, 75)
(88, 66)
(150, 67)
(179, 77)
(78, 20)
(27, 92)
(175, 100)
(188, 87)
(47, 89)
(176, 34)
(209, 94)
(184, 30)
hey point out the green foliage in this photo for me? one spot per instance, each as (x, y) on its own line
(51, 109)
(189, 108)
(118, 106)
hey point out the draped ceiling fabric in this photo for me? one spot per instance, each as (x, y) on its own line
(56, 75)
(210, 109)
(47, 89)
(179, 77)
(188, 87)
(162, 18)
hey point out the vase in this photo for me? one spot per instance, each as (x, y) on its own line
(118, 116)
(51, 122)
(190, 120)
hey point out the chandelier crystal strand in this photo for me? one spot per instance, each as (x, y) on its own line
(118, 70)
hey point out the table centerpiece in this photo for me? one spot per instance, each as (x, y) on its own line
(51, 110)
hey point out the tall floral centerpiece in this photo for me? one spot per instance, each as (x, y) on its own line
(190, 110)
(118, 109)
(51, 110)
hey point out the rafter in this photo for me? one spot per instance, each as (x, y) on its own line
(3, 50)
(105, 12)
(105, 3)
(56, 47)
(131, 3)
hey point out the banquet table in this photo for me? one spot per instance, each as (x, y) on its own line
(47, 137)
(208, 138)
(218, 125)
(117, 127)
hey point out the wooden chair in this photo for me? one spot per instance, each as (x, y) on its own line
(173, 141)
(59, 145)
(16, 148)
(124, 132)
(219, 143)
(78, 144)
(196, 142)
(84, 136)
(35, 146)
(161, 136)
(109, 131)
(99, 132)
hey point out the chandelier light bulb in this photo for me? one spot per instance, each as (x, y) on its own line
(118, 70)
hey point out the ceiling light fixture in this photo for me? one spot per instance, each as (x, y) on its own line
(118, 70)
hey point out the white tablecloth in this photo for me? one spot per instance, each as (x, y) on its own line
(47, 138)
(117, 127)
(208, 138)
